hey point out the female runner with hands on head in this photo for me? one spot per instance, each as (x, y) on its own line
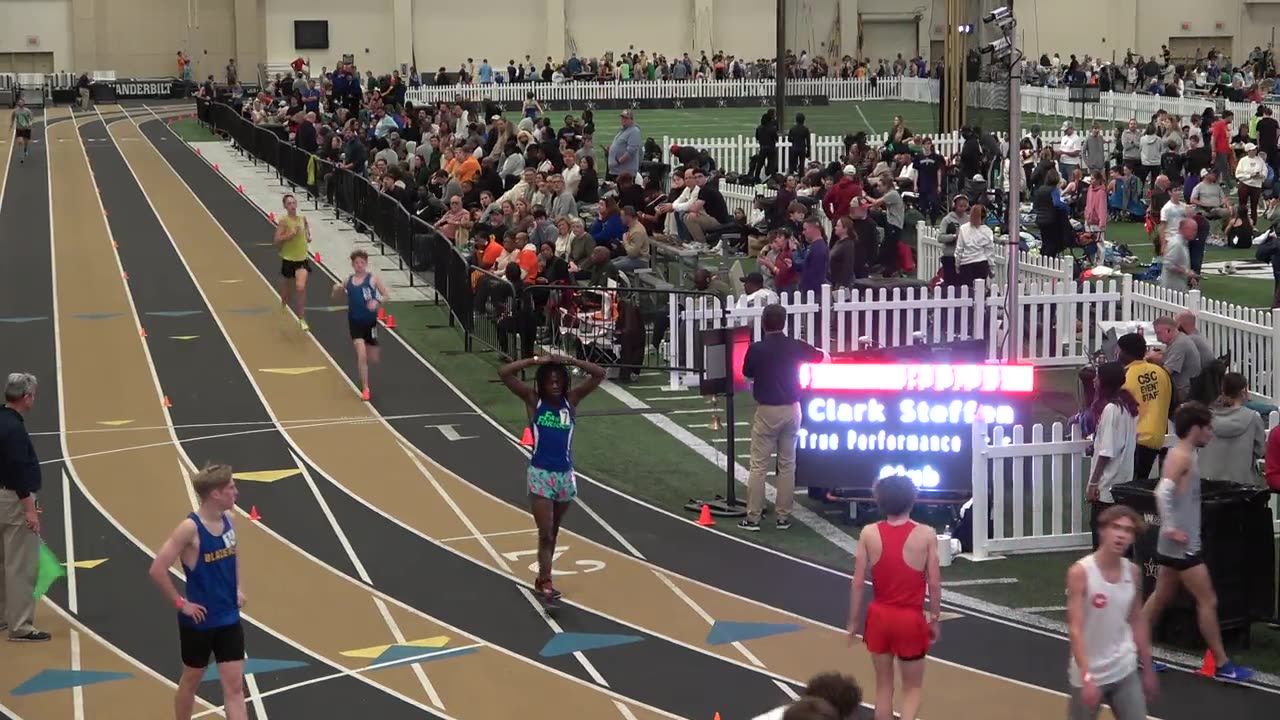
(552, 406)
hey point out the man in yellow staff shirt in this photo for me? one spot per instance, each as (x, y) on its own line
(292, 237)
(1151, 386)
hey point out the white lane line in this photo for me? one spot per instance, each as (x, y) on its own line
(488, 535)
(73, 597)
(979, 581)
(1044, 609)
(355, 672)
(312, 422)
(396, 632)
(77, 692)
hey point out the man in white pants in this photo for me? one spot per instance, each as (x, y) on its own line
(1109, 634)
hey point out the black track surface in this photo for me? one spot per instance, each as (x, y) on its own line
(406, 387)
(207, 385)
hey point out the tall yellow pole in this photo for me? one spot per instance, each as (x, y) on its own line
(955, 45)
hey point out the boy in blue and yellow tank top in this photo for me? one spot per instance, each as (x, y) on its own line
(209, 616)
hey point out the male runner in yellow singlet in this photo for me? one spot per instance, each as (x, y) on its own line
(293, 235)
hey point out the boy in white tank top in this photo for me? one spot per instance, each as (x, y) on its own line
(1108, 632)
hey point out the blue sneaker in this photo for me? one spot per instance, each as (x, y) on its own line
(1232, 672)
(1157, 666)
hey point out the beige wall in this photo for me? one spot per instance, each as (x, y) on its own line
(362, 28)
(48, 20)
(438, 40)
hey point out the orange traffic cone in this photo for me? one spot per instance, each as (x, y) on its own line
(271, 217)
(198, 152)
(704, 518)
(717, 717)
(166, 402)
(215, 167)
(382, 312)
(253, 513)
(527, 438)
(1209, 667)
(125, 275)
(317, 256)
(142, 332)
(391, 322)
(240, 188)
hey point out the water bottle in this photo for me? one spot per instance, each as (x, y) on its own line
(944, 547)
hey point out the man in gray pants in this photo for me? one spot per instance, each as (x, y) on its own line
(19, 517)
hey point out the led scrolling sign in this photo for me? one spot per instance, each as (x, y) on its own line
(862, 421)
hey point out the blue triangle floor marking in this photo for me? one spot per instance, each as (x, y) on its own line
(175, 313)
(50, 680)
(566, 643)
(249, 310)
(96, 316)
(724, 632)
(397, 655)
(21, 319)
(256, 666)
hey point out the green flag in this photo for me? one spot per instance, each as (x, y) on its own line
(50, 569)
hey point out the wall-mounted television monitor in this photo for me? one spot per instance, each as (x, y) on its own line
(311, 34)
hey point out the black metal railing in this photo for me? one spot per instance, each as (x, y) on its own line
(426, 256)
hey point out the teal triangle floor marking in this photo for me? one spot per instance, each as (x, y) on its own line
(397, 655)
(175, 313)
(22, 319)
(96, 316)
(249, 311)
(566, 643)
(50, 680)
(724, 632)
(256, 666)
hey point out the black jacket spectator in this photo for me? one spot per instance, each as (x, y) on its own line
(306, 138)
(19, 466)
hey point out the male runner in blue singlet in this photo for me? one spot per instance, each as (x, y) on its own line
(365, 292)
(552, 405)
(209, 617)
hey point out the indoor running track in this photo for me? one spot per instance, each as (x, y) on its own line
(389, 570)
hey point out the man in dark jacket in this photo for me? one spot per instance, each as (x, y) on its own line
(19, 514)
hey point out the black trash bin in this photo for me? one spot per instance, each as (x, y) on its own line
(1236, 543)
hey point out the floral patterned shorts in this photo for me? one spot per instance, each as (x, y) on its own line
(554, 485)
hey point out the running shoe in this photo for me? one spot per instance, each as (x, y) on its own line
(302, 323)
(365, 395)
(784, 525)
(32, 636)
(547, 592)
(1157, 666)
(748, 525)
(1232, 672)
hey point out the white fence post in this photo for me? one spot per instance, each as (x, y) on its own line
(825, 317)
(980, 477)
(1274, 379)
(674, 355)
(1126, 297)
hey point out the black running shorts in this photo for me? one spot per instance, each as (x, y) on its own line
(289, 268)
(366, 330)
(24, 133)
(1180, 563)
(225, 644)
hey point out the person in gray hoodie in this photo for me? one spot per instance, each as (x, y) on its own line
(949, 229)
(1149, 151)
(1095, 150)
(1239, 437)
(1130, 152)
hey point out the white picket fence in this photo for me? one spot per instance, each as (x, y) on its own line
(1062, 320)
(1036, 489)
(1112, 106)
(734, 153)
(1030, 266)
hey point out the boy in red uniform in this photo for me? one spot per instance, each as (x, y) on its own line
(904, 556)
